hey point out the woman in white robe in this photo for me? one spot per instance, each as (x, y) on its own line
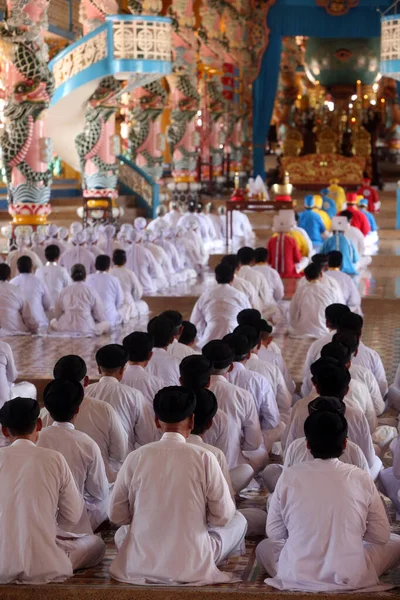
(132, 306)
(79, 311)
(37, 245)
(78, 255)
(15, 316)
(161, 257)
(143, 264)
(22, 250)
(165, 240)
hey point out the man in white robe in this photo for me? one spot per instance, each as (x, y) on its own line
(133, 305)
(176, 348)
(96, 418)
(241, 284)
(163, 365)
(214, 313)
(272, 276)
(22, 250)
(78, 254)
(15, 316)
(62, 398)
(108, 288)
(325, 503)
(37, 489)
(128, 403)
(139, 346)
(354, 235)
(203, 525)
(54, 277)
(79, 311)
(33, 291)
(247, 261)
(351, 294)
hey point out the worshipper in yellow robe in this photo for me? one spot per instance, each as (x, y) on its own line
(337, 193)
(318, 203)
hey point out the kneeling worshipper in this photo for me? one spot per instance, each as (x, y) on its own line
(163, 365)
(54, 277)
(79, 311)
(370, 194)
(55, 236)
(38, 490)
(338, 241)
(318, 208)
(372, 237)
(62, 398)
(33, 291)
(15, 314)
(78, 254)
(311, 222)
(283, 252)
(359, 220)
(328, 203)
(243, 285)
(337, 193)
(139, 346)
(141, 261)
(108, 289)
(183, 546)
(358, 239)
(272, 276)
(22, 250)
(214, 313)
(390, 478)
(325, 503)
(37, 245)
(247, 260)
(133, 305)
(321, 261)
(307, 307)
(351, 295)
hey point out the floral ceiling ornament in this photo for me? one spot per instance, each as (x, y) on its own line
(337, 8)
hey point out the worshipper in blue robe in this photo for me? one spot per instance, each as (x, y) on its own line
(338, 241)
(311, 222)
(328, 204)
(363, 206)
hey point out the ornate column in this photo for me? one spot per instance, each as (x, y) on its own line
(184, 103)
(29, 85)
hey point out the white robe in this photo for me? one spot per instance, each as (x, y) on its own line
(87, 467)
(331, 283)
(260, 284)
(243, 422)
(197, 440)
(133, 305)
(267, 354)
(307, 309)
(15, 316)
(164, 261)
(143, 264)
(218, 434)
(351, 294)
(248, 289)
(35, 295)
(194, 494)
(390, 478)
(275, 377)
(78, 255)
(366, 357)
(55, 278)
(100, 422)
(172, 218)
(215, 312)
(298, 452)
(14, 255)
(273, 279)
(164, 366)
(178, 261)
(79, 312)
(37, 486)
(138, 378)
(109, 290)
(331, 505)
(8, 372)
(179, 350)
(130, 407)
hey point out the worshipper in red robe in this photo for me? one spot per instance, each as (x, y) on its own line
(283, 251)
(369, 193)
(359, 219)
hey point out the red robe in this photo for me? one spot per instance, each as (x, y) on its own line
(283, 255)
(370, 194)
(359, 220)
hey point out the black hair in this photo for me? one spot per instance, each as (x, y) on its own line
(251, 333)
(231, 260)
(331, 377)
(334, 312)
(175, 317)
(62, 398)
(326, 433)
(162, 331)
(71, 367)
(246, 255)
(24, 264)
(138, 344)
(224, 273)
(5, 272)
(346, 213)
(78, 272)
(350, 340)
(312, 271)
(351, 323)
(261, 255)
(319, 259)
(102, 263)
(338, 351)
(119, 257)
(206, 408)
(52, 252)
(188, 334)
(335, 259)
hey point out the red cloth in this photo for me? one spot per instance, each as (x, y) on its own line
(359, 220)
(284, 254)
(370, 194)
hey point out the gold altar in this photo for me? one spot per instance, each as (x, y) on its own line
(319, 169)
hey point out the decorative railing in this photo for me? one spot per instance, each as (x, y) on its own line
(125, 46)
(136, 182)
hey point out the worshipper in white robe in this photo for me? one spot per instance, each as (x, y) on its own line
(216, 221)
(271, 275)
(22, 250)
(62, 398)
(91, 238)
(139, 346)
(128, 403)
(321, 260)
(188, 248)
(192, 216)
(161, 257)
(15, 315)
(244, 425)
(394, 391)
(79, 310)
(345, 321)
(154, 224)
(173, 215)
(166, 238)
(214, 313)
(143, 264)
(242, 230)
(325, 503)
(132, 306)
(243, 285)
(176, 348)
(106, 238)
(33, 291)
(108, 289)
(351, 294)
(266, 354)
(37, 490)
(96, 418)
(354, 235)
(37, 245)
(193, 233)
(163, 365)
(258, 386)
(334, 380)
(246, 258)
(78, 255)
(56, 236)
(52, 275)
(307, 307)
(203, 526)
(188, 335)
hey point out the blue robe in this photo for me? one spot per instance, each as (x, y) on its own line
(329, 206)
(371, 219)
(313, 224)
(350, 255)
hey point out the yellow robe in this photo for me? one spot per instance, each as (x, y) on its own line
(337, 193)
